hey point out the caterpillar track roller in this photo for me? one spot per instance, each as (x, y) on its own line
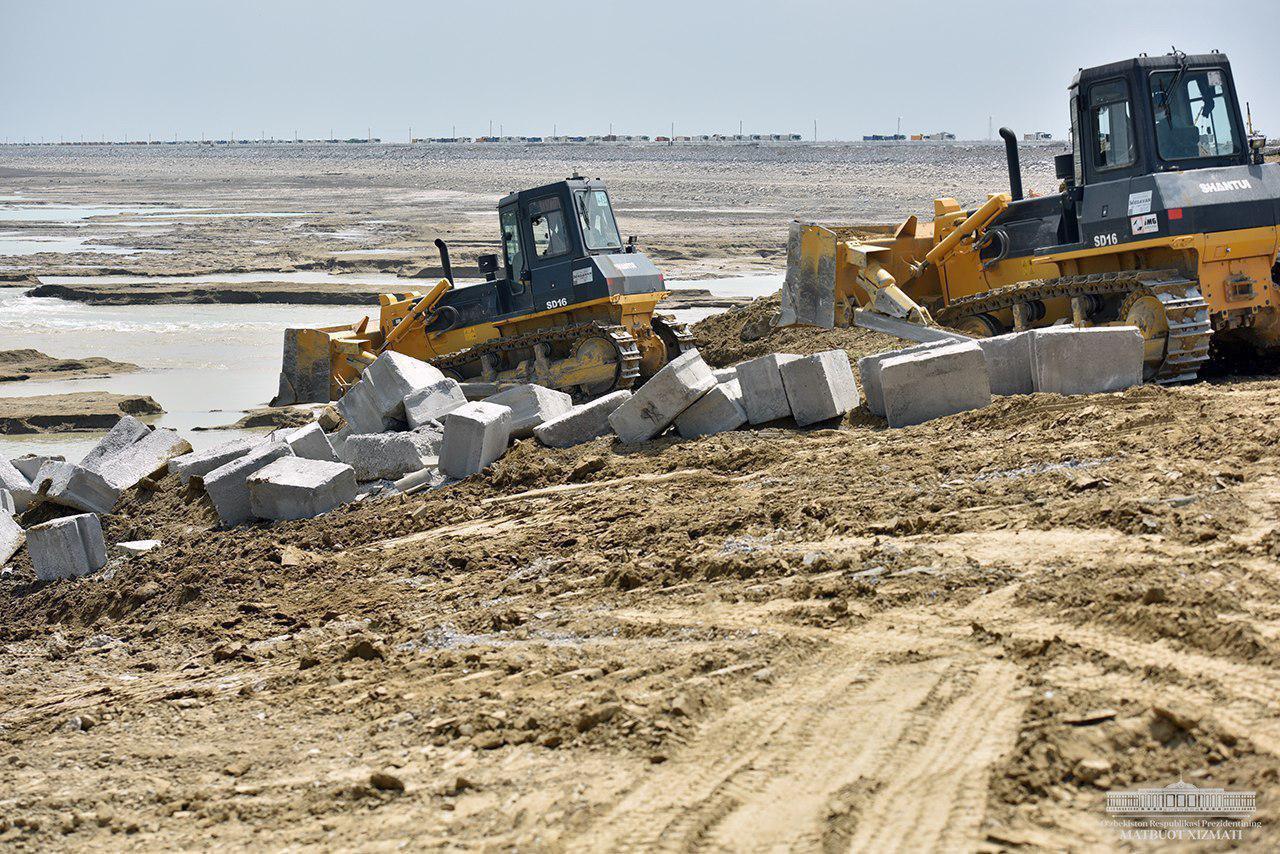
(566, 305)
(1166, 219)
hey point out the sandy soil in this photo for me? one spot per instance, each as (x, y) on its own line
(22, 365)
(953, 636)
(81, 410)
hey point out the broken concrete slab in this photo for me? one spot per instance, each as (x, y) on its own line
(199, 463)
(869, 372)
(819, 387)
(433, 402)
(1069, 360)
(475, 435)
(72, 485)
(394, 377)
(656, 404)
(124, 468)
(308, 442)
(298, 488)
(763, 395)
(387, 456)
(11, 537)
(29, 464)
(359, 408)
(67, 548)
(134, 548)
(18, 484)
(717, 411)
(926, 384)
(581, 423)
(228, 485)
(530, 406)
(123, 433)
(1009, 362)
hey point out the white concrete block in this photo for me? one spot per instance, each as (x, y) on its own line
(475, 435)
(72, 485)
(763, 395)
(297, 488)
(923, 385)
(656, 404)
(869, 372)
(1009, 362)
(11, 536)
(581, 423)
(819, 387)
(1067, 360)
(394, 377)
(530, 406)
(308, 442)
(359, 408)
(725, 375)
(6, 502)
(18, 484)
(29, 464)
(717, 411)
(433, 402)
(228, 485)
(66, 548)
(144, 458)
(387, 456)
(124, 433)
(199, 463)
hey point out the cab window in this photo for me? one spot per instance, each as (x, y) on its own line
(599, 229)
(1112, 125)
(1193, 115)
(548, 227)
(511, 242)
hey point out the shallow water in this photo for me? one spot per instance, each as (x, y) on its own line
(19, 243)
(205, 364)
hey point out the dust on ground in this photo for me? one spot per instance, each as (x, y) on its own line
(958, 635)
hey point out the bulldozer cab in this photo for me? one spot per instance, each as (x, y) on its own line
(1155, 114)
(544, 232)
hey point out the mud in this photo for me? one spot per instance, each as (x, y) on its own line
(22, 365)
(62, 413)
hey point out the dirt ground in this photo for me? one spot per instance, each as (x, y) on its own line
(953, 636)
(93, 411)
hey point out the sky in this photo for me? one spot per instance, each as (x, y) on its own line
(119, 69)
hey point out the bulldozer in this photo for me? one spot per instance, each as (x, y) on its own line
(566, 305)
(1166, 218)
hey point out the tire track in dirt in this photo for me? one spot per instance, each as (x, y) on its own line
(773, 772)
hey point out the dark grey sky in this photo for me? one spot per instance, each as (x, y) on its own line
(136, 67)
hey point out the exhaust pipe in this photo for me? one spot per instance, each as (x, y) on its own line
(1015, 168)
(444, 259)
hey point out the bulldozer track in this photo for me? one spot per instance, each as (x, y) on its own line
(1184, 306)
(624, 344)
(680, 331)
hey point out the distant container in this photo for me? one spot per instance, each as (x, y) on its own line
(1038, 136)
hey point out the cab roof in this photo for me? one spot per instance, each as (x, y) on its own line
(575, 182)
(1125, 67)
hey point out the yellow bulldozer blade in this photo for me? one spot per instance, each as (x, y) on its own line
(809, 291)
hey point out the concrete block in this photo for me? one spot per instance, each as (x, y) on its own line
(388, 456)
(298, 488)
(72, 485)
(1009, 362)
(819, 387)
(725, 375)
(144, 458)
(763, 395)
(1067, 360)
(717, 411)
(474, 436)
(869, 373)
(308, 442)
(6, 502)
(200, 463)
(29, 464)
(656, 404)
(925, 384)
(433, 402)
(11, 537)
(530, 406)
(581, 423)
(125, 432)
(18, 484)
(394, 377)
(228, 485)
(67, 548)
(359, 409)
(134, 548)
